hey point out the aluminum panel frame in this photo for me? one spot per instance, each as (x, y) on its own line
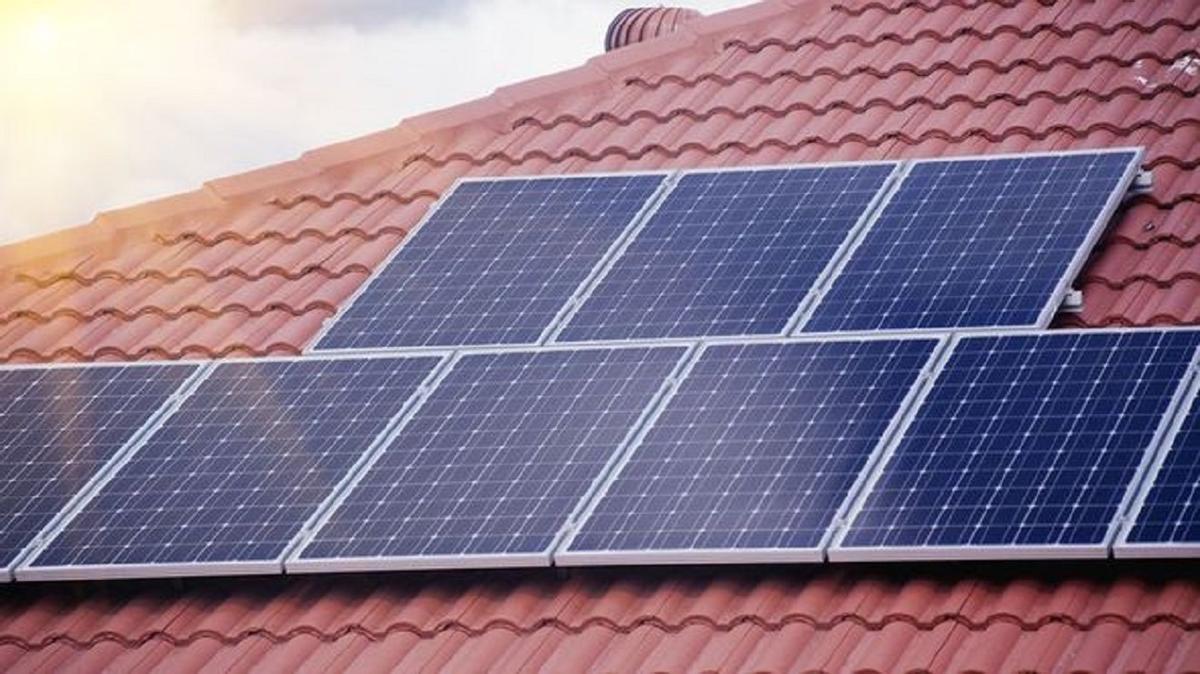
(565, 556)
(810, 299)
(87, 491)
(296, 563)
(655, 199)
(1070, 272)
(1121, 546)
(837, 552)
(26, 571)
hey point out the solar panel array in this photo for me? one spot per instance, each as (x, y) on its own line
(59, 426)
(233, 475)
(713, 437)
(1025, 442)
(729, 253)
(983, 242)
(1167, 521)
(494, 263)
(495, 461)
(756, 452)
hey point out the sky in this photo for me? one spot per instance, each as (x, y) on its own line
(106, 103)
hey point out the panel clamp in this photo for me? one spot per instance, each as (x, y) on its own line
(1072, 301)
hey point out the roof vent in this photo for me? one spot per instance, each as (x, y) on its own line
(639, 24)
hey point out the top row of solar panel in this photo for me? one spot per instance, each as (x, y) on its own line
(958, 243)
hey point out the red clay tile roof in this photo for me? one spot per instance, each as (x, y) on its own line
(252, 264)
(1141, 617)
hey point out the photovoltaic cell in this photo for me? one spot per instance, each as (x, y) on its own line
(729, 253)
(497, 458)
(1170, 513)
(59, 426)
(1025, 441)
(494, 263)
(757, 450)
(974, 243)
(235, 473)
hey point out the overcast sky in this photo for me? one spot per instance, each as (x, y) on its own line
(105, 103)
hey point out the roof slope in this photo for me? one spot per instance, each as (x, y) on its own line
(252, 265)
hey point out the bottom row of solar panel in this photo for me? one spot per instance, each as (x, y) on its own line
(756, 452)
(491, 467)
(233, 475)
(60, 426)
(786, 450)
(1025, 445)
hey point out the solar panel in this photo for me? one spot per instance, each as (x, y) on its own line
(754, 455)
(1166, 520)
(59, 427)
(730, 253)
(977, 242)
(228, 480)
(491, 467)
(1025, 445)
(494, 263)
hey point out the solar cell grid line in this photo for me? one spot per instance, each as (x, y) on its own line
(976, 243)
(495, 262)
(226, 482)
(754, 454)
(729, 252)
(1165, 520)
(1024, 445)
(494, 464)
(61, 428)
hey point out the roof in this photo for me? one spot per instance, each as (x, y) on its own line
(971, 618)
(252, 264)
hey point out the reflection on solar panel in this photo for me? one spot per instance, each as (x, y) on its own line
(59, 426)
(493, 464)
(977, 242)
(1167, 522)
(729, 253)
(1025, 444)
(495, 263)
(234, 474)
(754, 455)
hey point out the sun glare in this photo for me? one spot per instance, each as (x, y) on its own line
(42, 35)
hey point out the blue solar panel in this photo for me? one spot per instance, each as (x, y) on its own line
(1024, 441)
(236, 472)
(496, 460)
(978, 242)
(757, 450)
(495, 263)
(1169, 516)
(729, 253)
(59, 426)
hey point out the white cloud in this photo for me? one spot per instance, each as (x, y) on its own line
(105, 104)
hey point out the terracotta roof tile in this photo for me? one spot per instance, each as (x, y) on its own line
(253, 264)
